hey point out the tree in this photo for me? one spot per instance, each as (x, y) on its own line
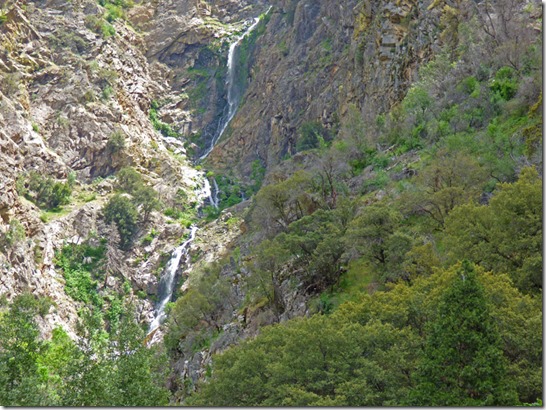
(202, 310)
(129, 180)
(140, 372)
(507, 28)
(45, 191)
(319, 361)
(463, 363)
(264, 273)
(116, 142)
(375, 234)
(448, 181)
(21, 381)
(504, 236)
(315, 245)
(123, 213)
(281, 203)
(115, 368)
(146, 198)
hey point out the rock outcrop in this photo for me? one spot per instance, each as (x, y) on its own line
(315, 59)
(66, 87)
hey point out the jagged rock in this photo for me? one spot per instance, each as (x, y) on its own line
(314, 76)
(64, 90)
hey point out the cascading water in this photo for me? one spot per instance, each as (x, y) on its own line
(166, 283)
(214, 196)
(210, 194)
(233, 96)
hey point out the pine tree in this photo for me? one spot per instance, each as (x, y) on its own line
(463, 363)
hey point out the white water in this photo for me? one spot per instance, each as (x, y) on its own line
(210, 194)
(214, 197)
(232, 98)
(167, 280)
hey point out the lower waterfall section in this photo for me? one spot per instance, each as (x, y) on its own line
(166, 283)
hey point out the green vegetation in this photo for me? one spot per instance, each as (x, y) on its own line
(123, 212)
(116, 142)
(159, 125)
(199, 312)
(103, 368)
(14, 235)
(114, 10)
(462, 362)
(410, 239)
(45, 192)
(99, 26)
(415, 237)
(312, 135)
(137, 200)
(81, 267)
(369, 352)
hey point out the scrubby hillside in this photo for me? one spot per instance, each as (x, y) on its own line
(367, 229)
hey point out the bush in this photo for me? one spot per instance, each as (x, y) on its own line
(129, 180)
(504, 85)
(116, 142)
(14, 235)
(44, 191)
(80, 285)
(146, 198)
(164, 128)
(123, 213)
(311, 135)
(99, 26)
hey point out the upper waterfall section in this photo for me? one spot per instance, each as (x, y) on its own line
(236, 82)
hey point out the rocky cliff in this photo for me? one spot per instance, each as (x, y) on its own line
(70, 80)
(313, 60)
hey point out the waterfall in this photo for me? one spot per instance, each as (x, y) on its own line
(166, 283)
(233, 97)
(214, 197)
(210, 194)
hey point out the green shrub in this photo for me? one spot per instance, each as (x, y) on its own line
(107, 92)
(113, 12)
(79, 263)
(311, 135)
(164, 128)
(14, 235)
(129, 180)
(116, 142)
(123, 213)
(99, 26)
(9, 84)
(44, 191)
(504, 85)
(146, 197)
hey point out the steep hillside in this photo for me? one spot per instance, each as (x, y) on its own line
(270, 203)
(77, 90)
(312, 61)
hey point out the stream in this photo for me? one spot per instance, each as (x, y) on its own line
(166, 283)
(180, 254)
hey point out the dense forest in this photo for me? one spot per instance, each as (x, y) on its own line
(414, 241)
